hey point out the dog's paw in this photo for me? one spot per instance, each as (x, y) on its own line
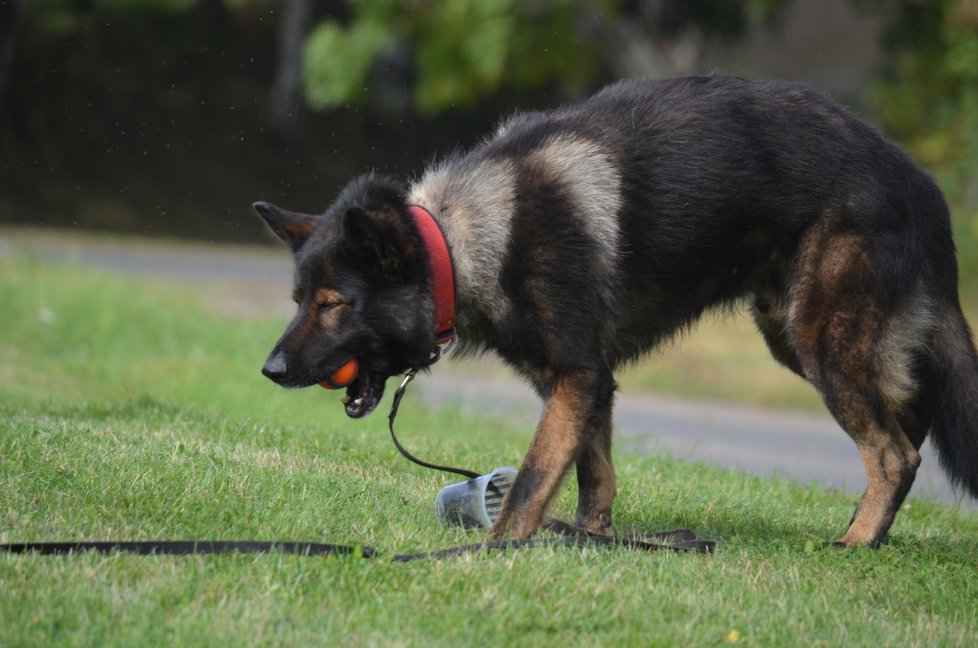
(599, 523)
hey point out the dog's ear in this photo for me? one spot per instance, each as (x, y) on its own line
(377, 242)
(291, 227)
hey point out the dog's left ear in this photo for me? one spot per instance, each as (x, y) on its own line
(378, 242)
(291, 227)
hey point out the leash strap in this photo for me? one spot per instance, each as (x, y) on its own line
(187, 547)
(697, 545)
(398, 395)
(689, 542)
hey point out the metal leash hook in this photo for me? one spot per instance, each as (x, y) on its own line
(438, 351)
(408, 377)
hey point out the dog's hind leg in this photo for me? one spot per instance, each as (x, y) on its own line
(891, 465)
(856, 347)
(573, 404)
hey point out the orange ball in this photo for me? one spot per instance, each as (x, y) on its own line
(343, 376)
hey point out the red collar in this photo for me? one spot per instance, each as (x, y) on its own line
(442, 275)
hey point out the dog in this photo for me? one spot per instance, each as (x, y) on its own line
(582, 237)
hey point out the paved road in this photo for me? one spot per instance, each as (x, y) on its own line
(801, 447)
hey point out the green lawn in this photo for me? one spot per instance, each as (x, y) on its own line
(130, 411)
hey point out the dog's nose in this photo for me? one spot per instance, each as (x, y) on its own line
(275, 366)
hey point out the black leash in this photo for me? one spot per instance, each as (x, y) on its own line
(681, 540)
(186, 547)
(398, 395)
(569, 535)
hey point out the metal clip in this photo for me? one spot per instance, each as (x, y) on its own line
(408, 377)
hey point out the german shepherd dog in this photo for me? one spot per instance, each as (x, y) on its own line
(584, 236)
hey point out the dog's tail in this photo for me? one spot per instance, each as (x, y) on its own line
(955, 391)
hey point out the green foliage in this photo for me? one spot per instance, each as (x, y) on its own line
(929, 100)
(464, 50)
(461, 49)
(338, 60)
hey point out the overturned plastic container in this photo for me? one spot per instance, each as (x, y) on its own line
(476, 502)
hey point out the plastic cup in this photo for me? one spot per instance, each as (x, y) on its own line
(475, 503)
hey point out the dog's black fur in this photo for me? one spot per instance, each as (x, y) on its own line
(584, 236)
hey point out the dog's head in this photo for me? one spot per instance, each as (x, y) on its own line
(361, 286)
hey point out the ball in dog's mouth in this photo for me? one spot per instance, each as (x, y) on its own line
(343, 376)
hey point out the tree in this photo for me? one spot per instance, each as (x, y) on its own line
(460, 51)
(929, 99)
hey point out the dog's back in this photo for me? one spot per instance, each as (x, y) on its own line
(646, 189)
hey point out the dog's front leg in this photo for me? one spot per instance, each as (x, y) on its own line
(596, 476)
(561, 434)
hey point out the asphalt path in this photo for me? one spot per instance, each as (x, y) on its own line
(801, 447)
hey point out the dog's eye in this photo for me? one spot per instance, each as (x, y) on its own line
(328, 299)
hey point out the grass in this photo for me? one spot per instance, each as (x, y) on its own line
(130, 411)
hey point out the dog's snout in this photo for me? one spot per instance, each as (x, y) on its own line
(275, 367)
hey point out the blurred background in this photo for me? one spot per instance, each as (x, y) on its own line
(135, 134)
(169, 117)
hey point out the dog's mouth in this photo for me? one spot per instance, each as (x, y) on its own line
(363, 394)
